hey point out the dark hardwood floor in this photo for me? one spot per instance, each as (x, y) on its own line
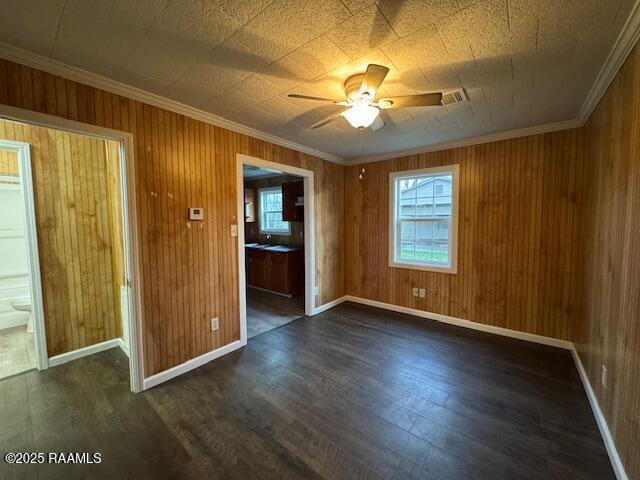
(266, 311)
(355, 392)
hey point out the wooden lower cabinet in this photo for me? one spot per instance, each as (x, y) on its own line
(280, 272)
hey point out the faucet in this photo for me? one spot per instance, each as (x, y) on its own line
(268, 239)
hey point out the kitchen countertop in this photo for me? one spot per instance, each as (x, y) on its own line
(272, 248)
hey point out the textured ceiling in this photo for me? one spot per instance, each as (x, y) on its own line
(522, 62)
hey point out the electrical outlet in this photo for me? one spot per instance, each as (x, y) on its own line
(603, 378)
(423, 293)
(215, 324)
(416, 291)
(316, 290)
(234, 230)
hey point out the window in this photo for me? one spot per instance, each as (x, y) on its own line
(271, 211)
(423, 219)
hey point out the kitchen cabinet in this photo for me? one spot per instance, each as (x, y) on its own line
(249, 205)
(292, 210)
(278, 269)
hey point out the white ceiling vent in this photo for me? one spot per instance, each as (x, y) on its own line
(457, 96)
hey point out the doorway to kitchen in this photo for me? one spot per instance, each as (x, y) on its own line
(275, 244)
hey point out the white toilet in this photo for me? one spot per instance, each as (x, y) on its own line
(23, 304)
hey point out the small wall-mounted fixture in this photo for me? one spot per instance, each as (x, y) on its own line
(196, 214)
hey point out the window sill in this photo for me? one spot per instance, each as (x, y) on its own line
(451, 269)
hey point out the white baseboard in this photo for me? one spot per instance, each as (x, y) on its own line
(83, 352)
(189, 365)
(328, 305)
(616, 462)
(505, 332)
(123, 347)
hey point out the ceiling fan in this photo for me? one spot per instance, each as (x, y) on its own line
(362, 109)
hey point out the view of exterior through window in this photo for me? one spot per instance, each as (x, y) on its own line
(423, 215)
(271, 211)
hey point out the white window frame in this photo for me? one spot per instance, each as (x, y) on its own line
(261, 212)
(394, 224)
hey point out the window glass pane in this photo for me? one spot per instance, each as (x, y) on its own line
(441, 241)
(271, 211)
(407, 208)
(424, 207)
(407, 240)
(424, 241)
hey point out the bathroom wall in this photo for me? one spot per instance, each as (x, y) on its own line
(74, 237)
(14, 281)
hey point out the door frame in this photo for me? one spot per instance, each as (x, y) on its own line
(129, 218)
(22, 150)
(309, 234)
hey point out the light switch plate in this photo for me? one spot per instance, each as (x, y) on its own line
(415, 291)
(215, 324)
(234, 230)
(423, 293)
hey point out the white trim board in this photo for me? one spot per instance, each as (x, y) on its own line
(83, 352)
(612, 451)
(189, 365)
(329, 305)
(468, 142)
(621, 48)
(459, 322)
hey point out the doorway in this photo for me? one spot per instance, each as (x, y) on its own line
(22, 336)
(276, 244)
(82, 214)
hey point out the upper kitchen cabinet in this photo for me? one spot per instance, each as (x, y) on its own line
(293, 201)
(249, 205)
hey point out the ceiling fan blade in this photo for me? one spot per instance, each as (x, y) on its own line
(377, 124)
(329, 119)
(420, 100)
(317, 99)
(373, 78)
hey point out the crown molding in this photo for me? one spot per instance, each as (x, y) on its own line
(467, 142)
(620, 51)
(79, 75)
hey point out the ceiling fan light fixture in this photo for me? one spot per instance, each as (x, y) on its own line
(361, 115)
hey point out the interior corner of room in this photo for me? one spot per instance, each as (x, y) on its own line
(337, 239)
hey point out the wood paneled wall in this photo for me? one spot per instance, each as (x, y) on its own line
(518, 238)
(189, 274)
(70, 180)
(116, 225)
(8, 163)
(608, 333)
